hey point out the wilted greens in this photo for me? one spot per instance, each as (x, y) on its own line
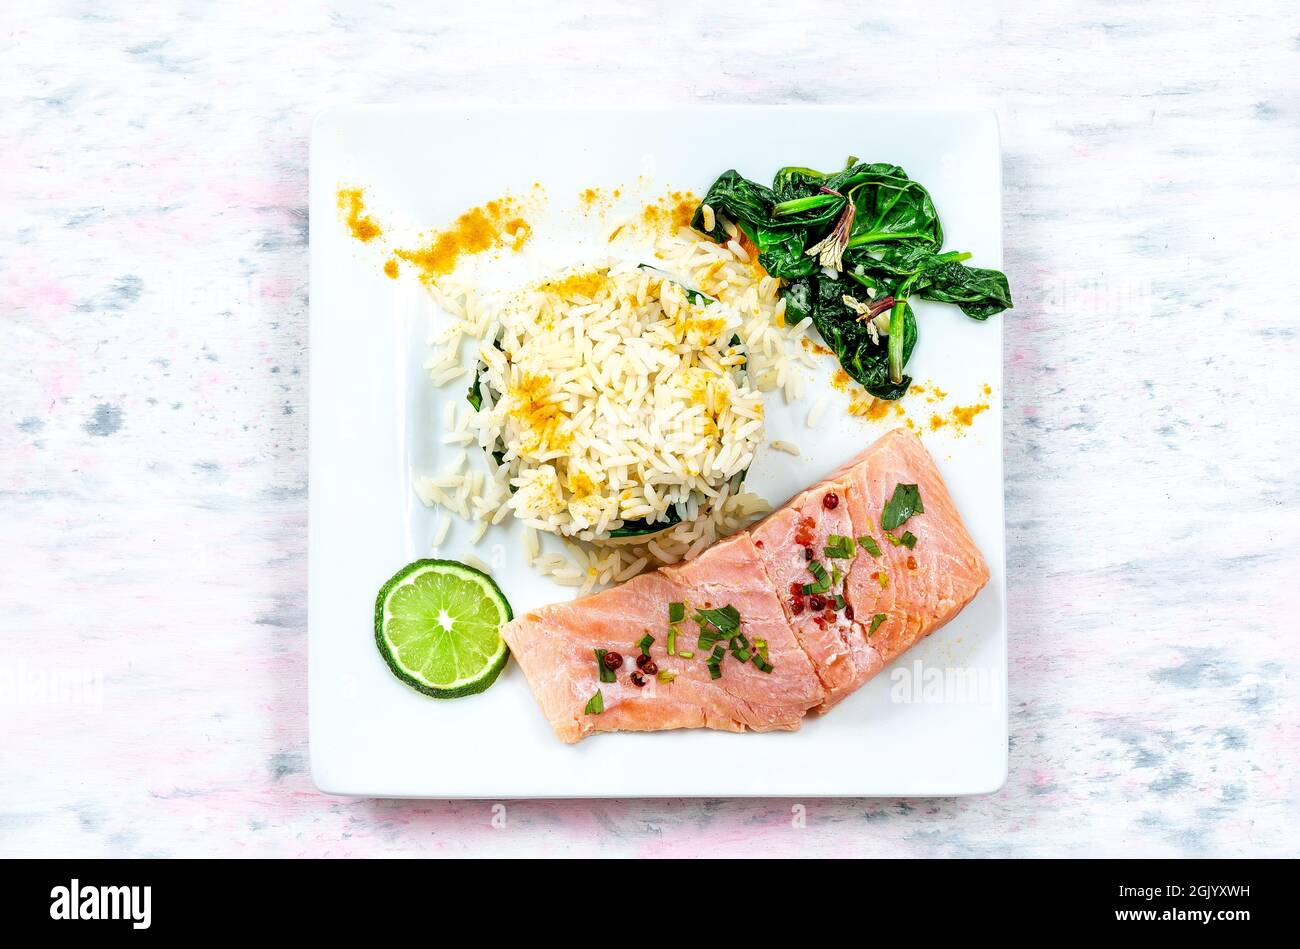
(851, 247)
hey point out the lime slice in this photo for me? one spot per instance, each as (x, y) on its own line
(438, 626)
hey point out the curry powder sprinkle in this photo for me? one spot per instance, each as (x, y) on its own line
(495, 224)
(353, 205)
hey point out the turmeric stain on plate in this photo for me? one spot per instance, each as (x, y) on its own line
(352, 203)
(959, 417)
(495, 224)
(669, 212)
(499, 223)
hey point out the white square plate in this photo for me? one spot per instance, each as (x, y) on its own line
(913, 730)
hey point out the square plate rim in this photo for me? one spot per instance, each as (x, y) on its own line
(330, 111)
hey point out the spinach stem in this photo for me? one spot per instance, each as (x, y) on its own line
(896, 340)
(876, 237)
(896, 329)
(804, 204)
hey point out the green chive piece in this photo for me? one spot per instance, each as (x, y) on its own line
(763, 664)
(606, 675)
(705, 642)
(672, 641)
(644, 644)
(719, 653)
(839, 547)
(869, 545)
(676, 612)
(823, 583)
(909, 540)
(875, 622)
(666, 676)
(839, 602)
(761, 646)
(686, 654)
(892, 539)
(595, 704)
(715, 671)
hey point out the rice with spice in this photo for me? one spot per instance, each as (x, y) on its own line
(618, 397)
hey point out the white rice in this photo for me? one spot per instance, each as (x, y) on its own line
(616, 399)
(816, 412)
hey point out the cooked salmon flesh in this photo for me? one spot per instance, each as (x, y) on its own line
(791, 615)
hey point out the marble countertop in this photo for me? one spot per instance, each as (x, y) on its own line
(153, 469)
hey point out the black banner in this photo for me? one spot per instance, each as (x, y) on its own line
(1222, 898)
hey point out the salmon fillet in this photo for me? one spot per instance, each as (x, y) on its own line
(555, 648)
(817, 657)
(837, 646)
(921, 589)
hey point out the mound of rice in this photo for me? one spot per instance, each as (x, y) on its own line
(613, 395)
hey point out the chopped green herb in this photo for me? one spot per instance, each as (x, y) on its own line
(644, 644)
(836, 575)
(883, 579)
(706, 641)
(823, 583)
(839, 547)
(726, 620)
(905, 502)
(839, 602)
(606, 675)
(666, 676)
(892, 539)
(869, 545)
(676, 612)
(715, 671)
(595, 704)
(686, 654)
(719, 653)
(761, 646)
(762, 663)
(740, 648)
(672, 640)
(908, 540)
(875, 623)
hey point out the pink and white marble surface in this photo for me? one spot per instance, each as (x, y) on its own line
(153, 476)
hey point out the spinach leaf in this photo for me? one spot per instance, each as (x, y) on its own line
(642, 526)
(892, 207)
(747, 203)
(864, 359)
(782, 252)
(905, 502)
(980, 293)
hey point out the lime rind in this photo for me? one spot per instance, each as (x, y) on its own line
(447, 661)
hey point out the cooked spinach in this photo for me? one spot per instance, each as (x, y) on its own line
(872, 224)
(863, 356)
